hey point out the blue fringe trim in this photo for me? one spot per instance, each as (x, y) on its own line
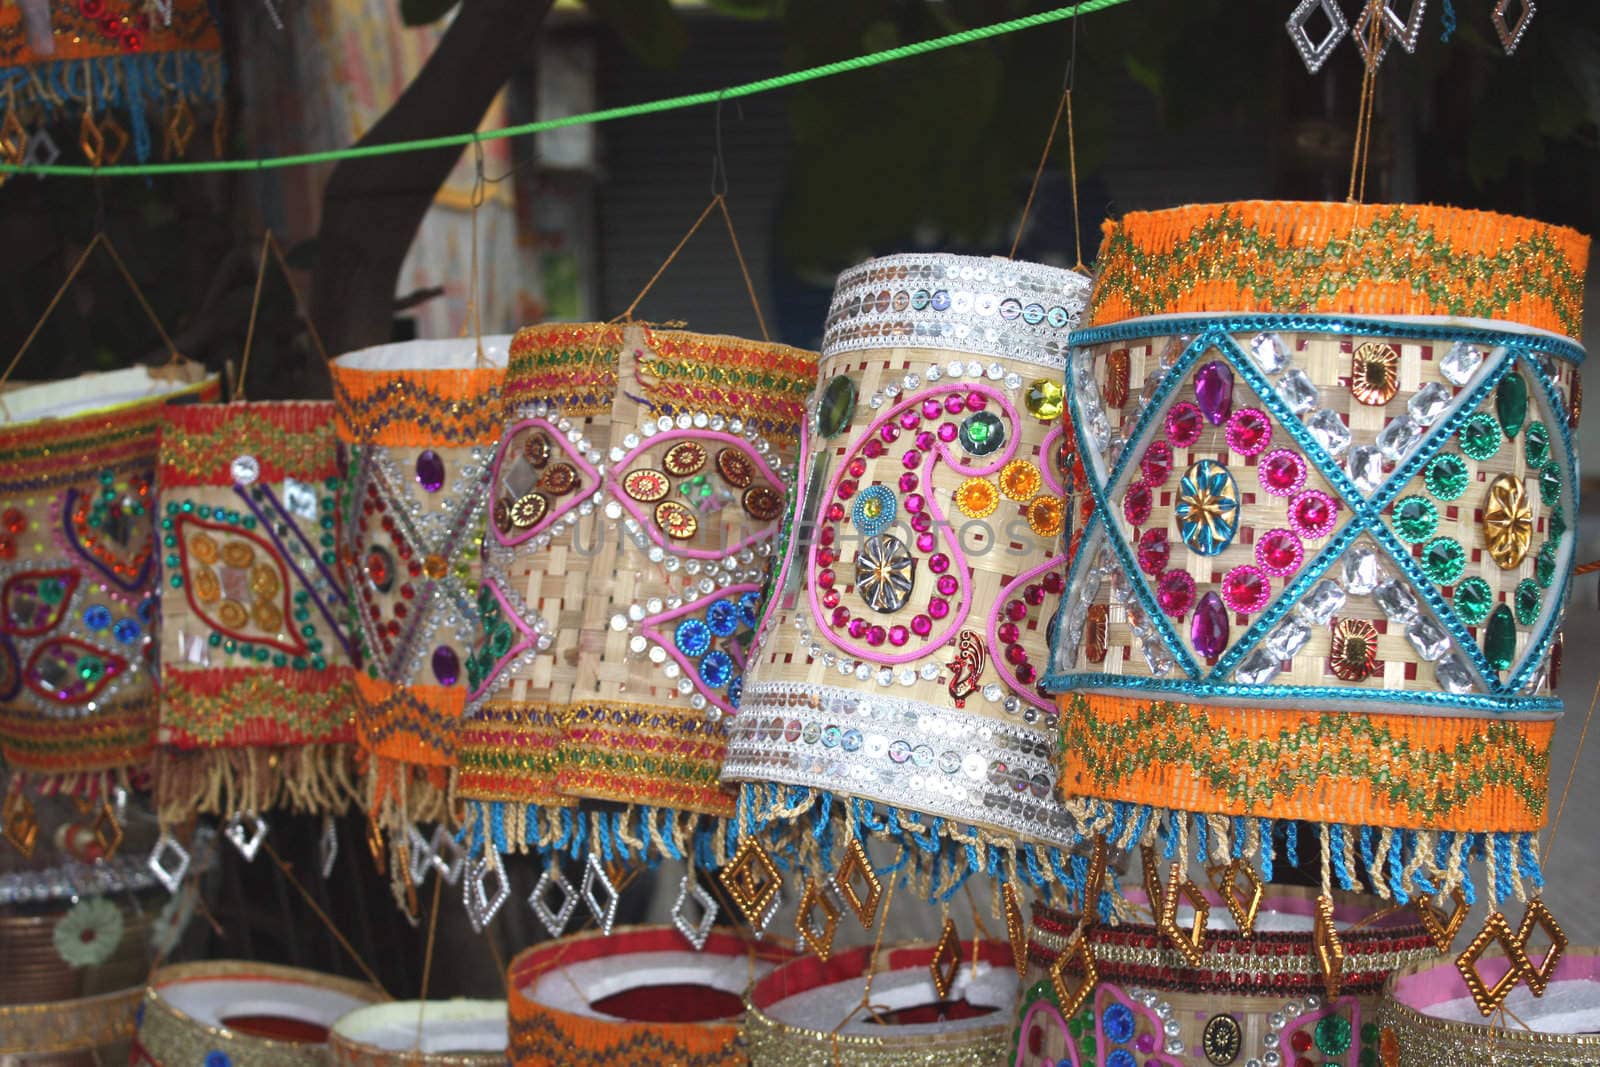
(574, 832)
(935, 848)
(135, 86)
(1432, 854)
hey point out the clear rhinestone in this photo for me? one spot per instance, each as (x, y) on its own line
(1428, 403)
(1365, 464)
(1329, 431)
(1156, 656)
(692, 895)
(885, 676)
(1258, 668)
(908, 676)
(1397, 439)
(1396, 601)
(1013, 381)
(993, 692)
(1269, 352)
(1287, 638)
(1428, 638)
(553, 919)
(602, 904)
(1298, 391)
(863, 672)
(245, 470)
(1453, 673)
(1319, 606)
(1362, 571)
(1461, 363)
(930, 672)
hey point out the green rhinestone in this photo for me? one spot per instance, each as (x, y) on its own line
(1088, 1044)
(1444, 559)
(299, 664)
(1511, 404)
(1500, 638)
(166, 524)
(982, 432)
(307, 631)
(172, 507)
(301, 596)
(1544, 565)
(1369, 1033)
(1480, 436)
(1369, 1055)
(500, 640)
(262, 654)
(328, 558)
(108, 495)
(330, 484)
(1332, 1035)
(173, 561)
(1446, 476)
(1528, 601)
(1550, 485)
(1415, 518)
(318, 663)
(169, 542)
(301, 615)
(280, 659)
(835, 405)
(1075, 1026)
(106, 477)
(188, 506)
(214, 640)
(228, 645)
(176, 581)
(315, 644)
(1473, 599)
(249, 522)
(205, 511)
(1558, 524)
(1536, 445)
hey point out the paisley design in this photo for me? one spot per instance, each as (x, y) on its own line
(237, 584)
(34, 602)
(1027, 602)
(709, 639)
(503, 637)
(693, 507)
(536, 480)
(112, 530)
(929, 577)
(68, 671)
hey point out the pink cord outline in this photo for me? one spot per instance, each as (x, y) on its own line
(1027, 692)
(576, 497)
(614, 487)
(649, 627)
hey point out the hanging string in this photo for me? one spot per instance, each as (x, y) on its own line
(1577, 757)
(344, 942)
(1369, 80)
(1064, 105)
(100, 240)
(250, 330)
(269, 244)
(427, 956)
(474, 316)
(865, 1003)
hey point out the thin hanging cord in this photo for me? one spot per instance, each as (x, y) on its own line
(255, 310)
(288, 872)
(627, 315)
(749, 286)
(1577, 757)
(427, 956)
(474, 300)
(1064, 105)
(1369, 77)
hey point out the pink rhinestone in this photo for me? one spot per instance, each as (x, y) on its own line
(1279, 553)
(1281, 472)
(975, 401)
(909, 420)
(857, 467)
(841, 616)
(947, 432)
(930, 409)
(908, 482)
(876, 636)
(873, 448)
(947, 585)
(847, 489)
(1313, 514)
(1027, 673)
(938, 608)
(925, 441)
(1175, 593)
(1154, 551)
(911, 458)
(1008, 633)
(954, 403)
(921, 625)
(1249, 431)
(898, 635)
(889, 431)
(1185, 424)
(922, 522)
(1016, 610)
(1016, 654)
(1246, 589)
(914, 503)
(1156, 465)
(925, 542)
(858, 628)
(1136, 504)
(830, 599)
(938, 563)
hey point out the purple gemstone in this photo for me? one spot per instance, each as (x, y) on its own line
(1213, 391)
(430, 471)
(1208, 631)
(446, 667)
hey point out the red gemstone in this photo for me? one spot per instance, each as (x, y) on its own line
(1008, 632)
(1016, 610)
(1026, 673)
(1314, 513)
(841, 616)
(1278, 552)
(1156, 465)
(1248, 431)
(1281, 473)
(858, 467)
(1136, 504)
(1185, 424)
(825, 578)
(1015, 654)
(1300, 1041)
(1154, 552)
(847, 489)
(1245, 589)
(1175, 593)
(1054, 583)
(1034, 595)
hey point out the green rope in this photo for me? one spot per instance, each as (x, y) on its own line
(672, 103)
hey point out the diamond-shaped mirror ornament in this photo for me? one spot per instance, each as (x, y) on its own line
(1485, 996)
(1069, 996)
(481, 907)
(448, 857)
(1315, 53)
(818, 932)
(1241, 890)
(1442, 928)
(752, 881)
(1329, 947)
(19, 824)
(1538, 917)
(1511, 35)
(1363, 30)
(169, 862)
(1408, 30)
(420, 855)
(691, 895)
(857, 867)
(946, 960)
(602, 904)
(246, 830)
(554, 919)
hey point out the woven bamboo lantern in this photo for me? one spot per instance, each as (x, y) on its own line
(808, 1013)
(242, 1015)
(1255, 995)
(1426, 1017)
(639, 994)
(78, 559)
(634, 497)
(257, 689)
(439, 1033)
(893, 688)
(418, 422)
(1330, 449)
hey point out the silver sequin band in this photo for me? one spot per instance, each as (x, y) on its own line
(955, 765)
(982, 305)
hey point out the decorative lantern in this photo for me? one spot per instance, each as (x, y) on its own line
(418, 421)
(810, 1013)
(1426, 1017)
(638, 994)
(894, 685)
(634, 497)
(161, 61)
(78, 561)
(439, 1033)
(70, 1028)
(247, 1014)
(256, 686)
(1330, 449)
(1113, 995)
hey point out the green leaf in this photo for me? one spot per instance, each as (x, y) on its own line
(650, 29)
(425, 12)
